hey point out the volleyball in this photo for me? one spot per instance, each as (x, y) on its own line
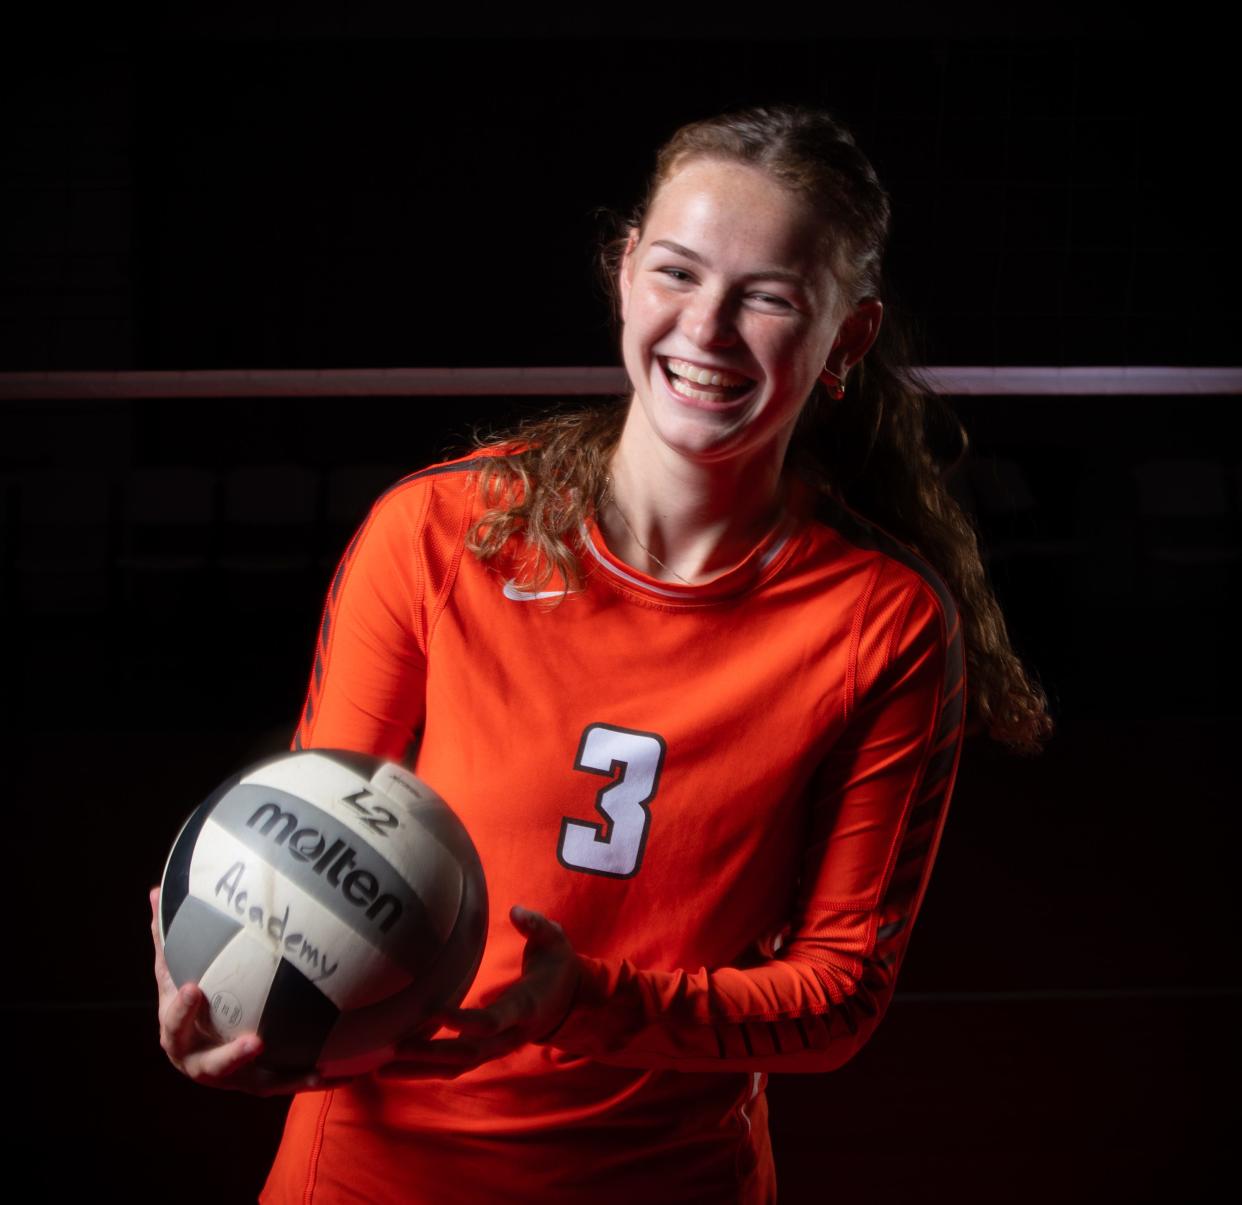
(328, 901)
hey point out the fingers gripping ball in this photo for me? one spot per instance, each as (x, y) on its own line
(329, 901)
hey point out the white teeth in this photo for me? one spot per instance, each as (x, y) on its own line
(686, 390)
(705, 376)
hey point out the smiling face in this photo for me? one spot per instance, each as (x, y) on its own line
(730, 311)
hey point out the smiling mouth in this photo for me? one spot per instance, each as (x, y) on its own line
(699, 391)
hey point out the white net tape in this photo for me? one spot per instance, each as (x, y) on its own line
(554, 382)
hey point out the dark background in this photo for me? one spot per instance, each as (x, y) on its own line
(348, 186)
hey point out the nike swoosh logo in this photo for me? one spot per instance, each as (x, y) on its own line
(511, 591)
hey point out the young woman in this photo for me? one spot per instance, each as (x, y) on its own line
(692, 670)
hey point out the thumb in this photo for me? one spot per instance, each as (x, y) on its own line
(533, 924)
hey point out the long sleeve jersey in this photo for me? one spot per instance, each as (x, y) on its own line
(730, 796)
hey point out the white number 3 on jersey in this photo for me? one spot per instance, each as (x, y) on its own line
(633, 761)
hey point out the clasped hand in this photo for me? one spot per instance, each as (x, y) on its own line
(528, 1011)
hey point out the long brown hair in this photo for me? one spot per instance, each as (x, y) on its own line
(884, 450)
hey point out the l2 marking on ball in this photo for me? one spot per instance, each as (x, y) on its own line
(295, 945)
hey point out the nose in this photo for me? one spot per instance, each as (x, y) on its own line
(709, 319)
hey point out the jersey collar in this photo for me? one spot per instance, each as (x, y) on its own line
(760, 563)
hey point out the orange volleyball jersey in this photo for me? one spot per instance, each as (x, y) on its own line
(729, 795)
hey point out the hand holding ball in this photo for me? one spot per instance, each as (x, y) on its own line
(330, 902)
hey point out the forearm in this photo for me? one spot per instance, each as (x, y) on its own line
(784, 1015)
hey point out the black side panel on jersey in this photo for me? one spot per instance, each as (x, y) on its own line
(471, 465)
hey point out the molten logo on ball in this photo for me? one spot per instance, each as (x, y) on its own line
(307, 845)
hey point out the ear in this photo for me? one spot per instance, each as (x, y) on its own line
(855, 336)
(626, 273)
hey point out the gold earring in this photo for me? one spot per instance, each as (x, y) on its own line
(836, 386)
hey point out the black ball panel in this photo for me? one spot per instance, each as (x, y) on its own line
(297, 1020)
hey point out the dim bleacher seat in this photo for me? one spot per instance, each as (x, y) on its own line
(63, 543)
(268, 537)
(166, 537)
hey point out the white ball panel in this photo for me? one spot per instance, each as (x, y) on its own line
(400, 785)
(350, 971)
(439, 889)
(236, 984)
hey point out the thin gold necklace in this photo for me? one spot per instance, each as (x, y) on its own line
(610, 500)
(650, 554)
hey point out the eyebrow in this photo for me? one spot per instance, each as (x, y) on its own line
(784, 274)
